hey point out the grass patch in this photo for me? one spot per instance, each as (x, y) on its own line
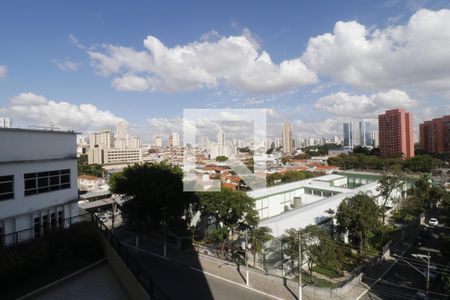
(318, 282)
(326, 271)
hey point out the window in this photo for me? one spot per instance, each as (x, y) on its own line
(6, 187)
(43, 182)
(37, 227)
(60, 218)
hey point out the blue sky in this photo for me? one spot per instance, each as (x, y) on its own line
(49, 53)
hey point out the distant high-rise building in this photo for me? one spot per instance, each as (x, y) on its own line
(134, 142)
(121, 131)
(101, 139)
(220, 138)
(375, 139)
(175, 139)
(5, 122)
(365, 136)
(435, 135)
(158, 141)
(396, 134)
(286, 136)
(203, 142)
(347, 128)
(277, 142)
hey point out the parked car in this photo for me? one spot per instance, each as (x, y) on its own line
(433, 222)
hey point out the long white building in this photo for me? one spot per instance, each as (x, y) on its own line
(38, 182)
(306, 202)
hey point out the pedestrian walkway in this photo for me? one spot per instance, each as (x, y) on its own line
(267, 283)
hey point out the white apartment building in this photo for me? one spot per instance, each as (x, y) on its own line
(114, 156)
(175, 139)
(38, 182)
(101, 139)
(158, 141)
(286, 136)
(5, 122)
(134, 142)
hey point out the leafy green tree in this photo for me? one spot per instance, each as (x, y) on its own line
(259, 236)
(221, 158)
(359, 217)
(273, 179)
(389, 183)
(317, 247)
(291, 176)
(270, 151)
(362, 150)
(231, 211)
(85, 169)
(152, 190)
(244, 149)
(422, 163)
(361, 159)
(422, 192)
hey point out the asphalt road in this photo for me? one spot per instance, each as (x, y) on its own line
(183, 282)
(403, 281)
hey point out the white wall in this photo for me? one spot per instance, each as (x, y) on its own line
(17, 144)
(22, 204)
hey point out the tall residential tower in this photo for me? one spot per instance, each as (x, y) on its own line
(396, 134)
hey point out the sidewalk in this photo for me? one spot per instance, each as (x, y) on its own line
(270, 284)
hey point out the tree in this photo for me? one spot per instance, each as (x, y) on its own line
(151, 188)
(422, 192)
(85, 169)
(259, 236)
(221, 158)
(422, 163)
(389, 183)
(291, 176)
(273, 179)
(244, 149)
(317, 247)
(359, 217)
(230, 210)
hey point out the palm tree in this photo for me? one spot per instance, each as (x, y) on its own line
(259, 236)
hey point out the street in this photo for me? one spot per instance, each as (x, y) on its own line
(404, 280)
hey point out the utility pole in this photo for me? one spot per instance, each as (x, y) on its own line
(300, 263)
(425, 258)
(246, 260)
(165, 231)
(282, 258)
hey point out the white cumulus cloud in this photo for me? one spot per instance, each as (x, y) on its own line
(415, 54)
(33, 109)
(344, 105)
(67, 65)
(233, 61)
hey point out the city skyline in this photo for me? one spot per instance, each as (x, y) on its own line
(314, 89)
